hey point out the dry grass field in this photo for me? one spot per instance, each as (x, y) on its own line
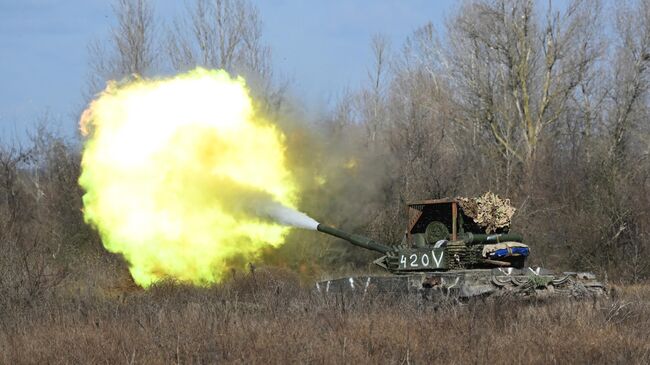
(269, 317)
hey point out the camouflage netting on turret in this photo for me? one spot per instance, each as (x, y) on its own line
(488, 211)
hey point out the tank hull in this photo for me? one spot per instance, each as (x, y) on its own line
(465, 284)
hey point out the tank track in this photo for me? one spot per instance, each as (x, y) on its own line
(465, 284)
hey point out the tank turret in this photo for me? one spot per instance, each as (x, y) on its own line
(470, 251)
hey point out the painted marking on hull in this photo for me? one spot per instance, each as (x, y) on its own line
(536, 271)
(454, 284)
(436, 259)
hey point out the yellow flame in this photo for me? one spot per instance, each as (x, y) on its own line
(172, 170)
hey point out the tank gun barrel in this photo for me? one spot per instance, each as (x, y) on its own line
(355, 239)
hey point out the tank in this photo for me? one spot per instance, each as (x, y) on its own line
(446, 252)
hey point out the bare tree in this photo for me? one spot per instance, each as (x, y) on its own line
(403, 112)
(515, 75)
(27, 268)
(226, 34)
(631, 77)
(223, 34)
(625, 164)
(371, 99)
(130, 49)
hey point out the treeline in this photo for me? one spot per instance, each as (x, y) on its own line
(548, 107)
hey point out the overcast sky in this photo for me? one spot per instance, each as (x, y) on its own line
(321, 46)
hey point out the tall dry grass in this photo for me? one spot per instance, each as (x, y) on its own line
(269, 317)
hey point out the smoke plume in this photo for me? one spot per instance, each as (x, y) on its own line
(287, 216)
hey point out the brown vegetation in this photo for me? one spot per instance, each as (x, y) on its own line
(268, 318)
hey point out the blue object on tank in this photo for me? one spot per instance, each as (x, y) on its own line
(513, 251)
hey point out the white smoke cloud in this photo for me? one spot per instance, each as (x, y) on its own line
(287, 216)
